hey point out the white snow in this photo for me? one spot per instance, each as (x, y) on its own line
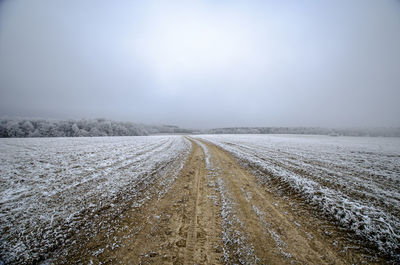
(233, 234)
(209, 165)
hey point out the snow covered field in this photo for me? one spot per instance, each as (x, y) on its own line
(353, 180)
(53, 187)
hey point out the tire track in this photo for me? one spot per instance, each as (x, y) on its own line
(200, 227)
(192, 229)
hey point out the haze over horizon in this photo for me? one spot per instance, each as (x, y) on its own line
(203, 64)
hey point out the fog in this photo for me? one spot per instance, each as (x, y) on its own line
(203, 64)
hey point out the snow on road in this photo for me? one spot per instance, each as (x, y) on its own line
(236, 245)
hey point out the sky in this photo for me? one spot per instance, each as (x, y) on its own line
(203, 64)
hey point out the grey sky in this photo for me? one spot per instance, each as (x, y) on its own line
(203, 64)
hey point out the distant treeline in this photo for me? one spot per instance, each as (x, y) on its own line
(23, 127)
(166, 129)
(79, 128)
(386, 132)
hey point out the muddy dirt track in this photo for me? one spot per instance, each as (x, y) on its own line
(217, 213)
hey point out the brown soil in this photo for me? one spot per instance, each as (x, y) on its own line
(187, 226)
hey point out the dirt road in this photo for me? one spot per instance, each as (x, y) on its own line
(217, 213)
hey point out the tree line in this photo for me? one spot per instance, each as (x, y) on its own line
(378, 131)
(23, 127)
(68, 128)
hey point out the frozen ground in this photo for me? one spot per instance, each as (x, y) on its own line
(92, 198)
(51, 188)
(352, 180)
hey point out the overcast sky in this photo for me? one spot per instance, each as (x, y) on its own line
(203, 64)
